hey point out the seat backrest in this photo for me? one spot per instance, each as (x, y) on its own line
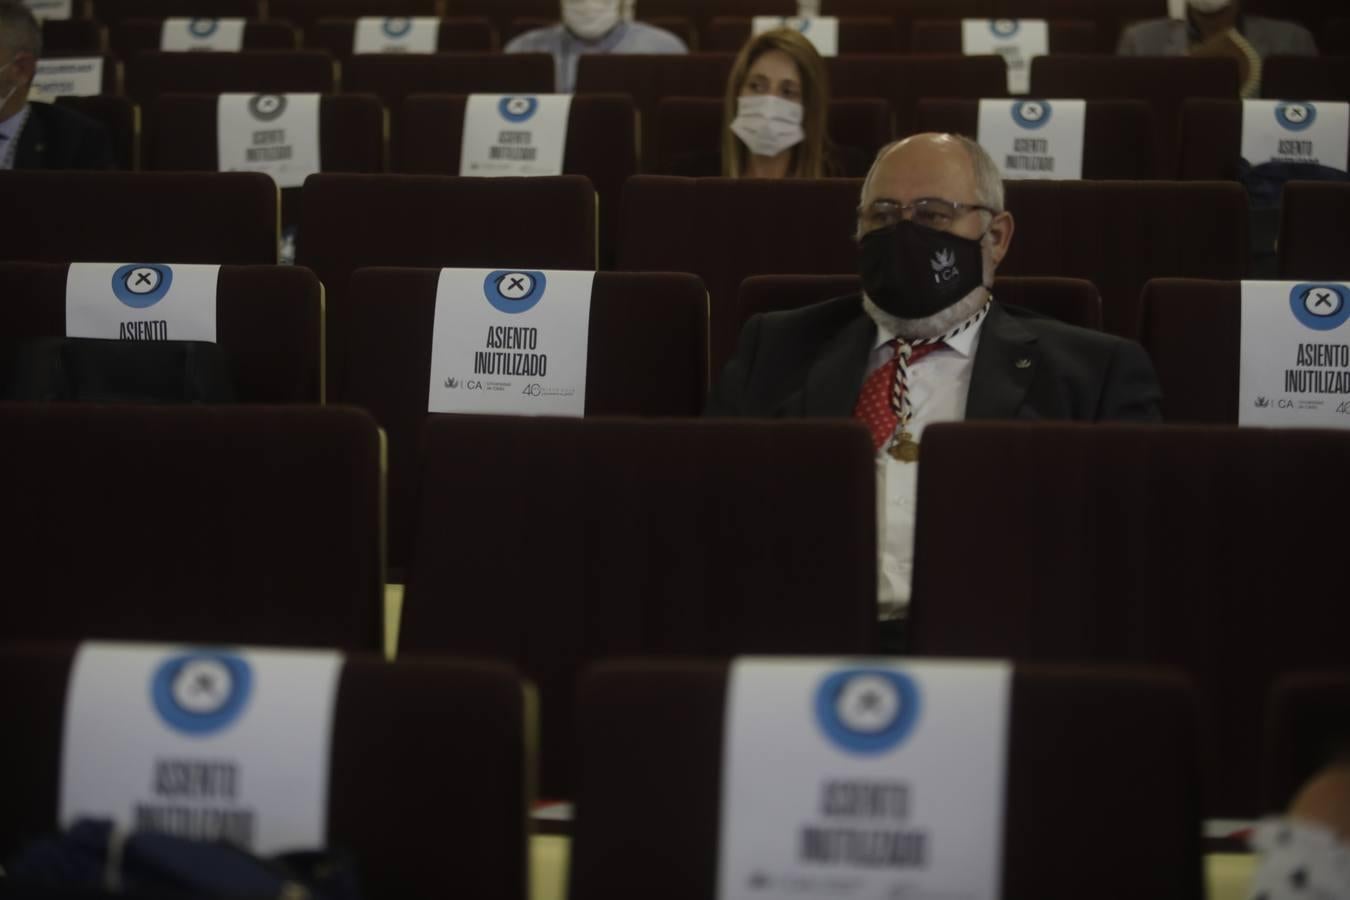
(601, 145)
(111, 12)
(120, 117)
(154, 72)
(1307, 77)
(1312, 14)
(870, 34)
(501, 14)
(1178, 315)
(725, 229)
(351, 221)
(389, 368)
(649, 78)
(470, 34)
(1334, 38)
(185, 137)
(903, 80)
(216, 217)
(1307, 728)
(392, 770)
(1314, 220)
(393, 76)
(1141, 545)
(645, 537)
(225, 524)
(73, 37)
(304, 12)
(1164, 82)
(1125, 738)
(702, 12)
(133, 36)
(269, 321)
(1070, 300)
(1211, 140)
(1117, 134)
(689, 130)
(944, 36)
(1119, 234)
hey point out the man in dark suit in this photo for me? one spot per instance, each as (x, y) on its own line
(925, 342)
(39, 135)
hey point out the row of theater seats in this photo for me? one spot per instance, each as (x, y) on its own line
(555, 543)
(430, 805)
(1116, 235)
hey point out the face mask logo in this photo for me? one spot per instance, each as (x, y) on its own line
(944, 265)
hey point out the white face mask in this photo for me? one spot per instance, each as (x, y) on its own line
(1208, 6)
(590, 19)
(767, 124)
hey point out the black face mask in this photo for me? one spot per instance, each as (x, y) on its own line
(913, 272)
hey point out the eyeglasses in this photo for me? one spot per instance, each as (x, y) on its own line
(929, 212)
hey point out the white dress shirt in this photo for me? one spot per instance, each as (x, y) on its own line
(10, 130)
(938, 386)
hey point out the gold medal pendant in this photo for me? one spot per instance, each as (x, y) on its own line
(905, 448)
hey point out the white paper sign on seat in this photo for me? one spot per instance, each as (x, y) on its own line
(277, 134)
(1296, 132)
(1034, 138)
(73, 76)
(1295, 369)
(1018, 41)
(508, 134)
(214, 35)
(396, 34)
(141, 301)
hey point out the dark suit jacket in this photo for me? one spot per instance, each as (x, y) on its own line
(811, 362)
(58, 138)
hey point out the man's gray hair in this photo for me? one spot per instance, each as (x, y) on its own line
(19, 29)
(988, 179)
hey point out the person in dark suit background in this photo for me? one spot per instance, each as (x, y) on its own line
(39, 135)
(925, 342)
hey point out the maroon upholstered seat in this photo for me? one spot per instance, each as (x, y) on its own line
(1124, 738)
(1179, 316)
(305, 12)
(903, 80)
(73, 37)
(680, 26)
(119, 116)
(184, 138)
(1307, 728)
(352, 221)
(110, 12)
(204, 217)
(1070, 300)
(1211, 140)
(151, 73)
(621, 537)
(872, 34)
(224, 524)
(944, 35)
(650, 78)
(1166, 544)
(725, 229)
(1120, 234)
(470, 34)
(133, 36)
(688, 128)
(1307, 77)
(702, 12)
(268, 322)
(628, 371)
(394, 768)
(1164, 82)
(601, 145)
(1313, 14)
(1314, 221)
(501, 14)
(393, 76)
(1117, 134)
(1334, 38)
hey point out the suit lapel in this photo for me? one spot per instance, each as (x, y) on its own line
(32, 142)
(835, 379)
(1006, 360)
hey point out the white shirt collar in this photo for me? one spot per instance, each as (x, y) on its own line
(11, 127)
(962, 343)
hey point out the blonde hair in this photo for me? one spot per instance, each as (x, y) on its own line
(809, 158)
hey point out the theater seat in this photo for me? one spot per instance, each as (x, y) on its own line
(1307, 728)
(1307, 77)
(120, 117)
(627, 372)
(903, 80)
(269, 322)
(1120, 741)
(152, 73)
(133, 36)
(393, 769)
(304, 12)
(1180, 315)
(223, 524)
(465, 34)
(944, 35)
(111, 12)
(393, 76)
(73, 37)
(604, 537)
(1314, 221)
(1151, 545)
(216, 217)
(874, 34)
(1070, 300)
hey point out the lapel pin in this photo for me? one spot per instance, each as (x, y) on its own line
(1023, 363)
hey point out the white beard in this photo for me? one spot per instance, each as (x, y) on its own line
(940, 322)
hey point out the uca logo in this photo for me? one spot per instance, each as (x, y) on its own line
(944, 266)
